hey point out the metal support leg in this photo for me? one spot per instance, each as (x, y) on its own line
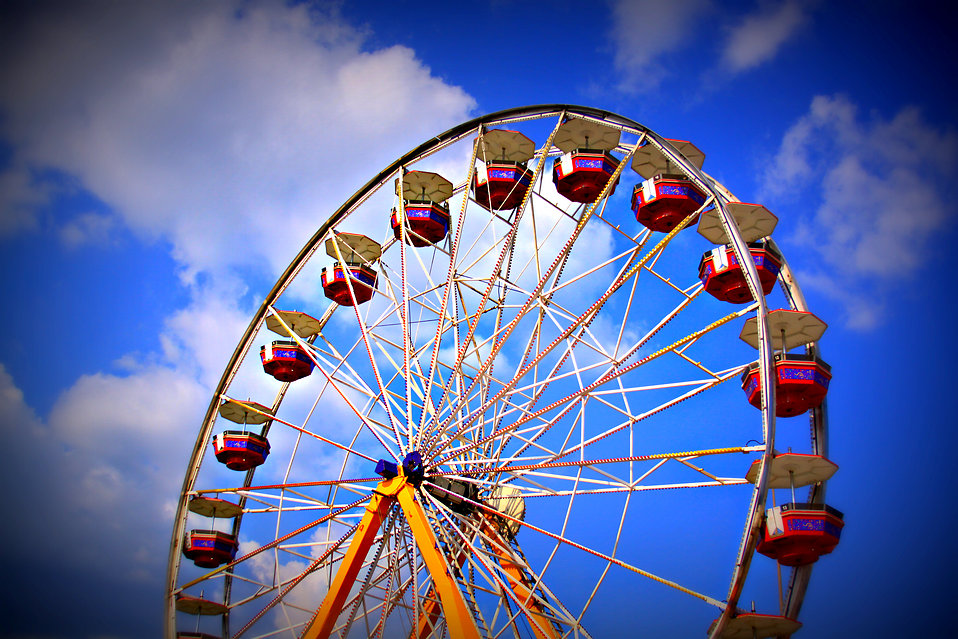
(322, 624)
(459, 619)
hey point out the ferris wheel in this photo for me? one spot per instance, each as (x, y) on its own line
(523, 383)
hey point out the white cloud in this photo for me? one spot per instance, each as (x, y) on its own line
(93, 478)
(200, 338)
(232, 129)
(645, 30)
(879, 189)
(758, 37)
(19, 198)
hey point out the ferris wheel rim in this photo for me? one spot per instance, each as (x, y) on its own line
(310, 247)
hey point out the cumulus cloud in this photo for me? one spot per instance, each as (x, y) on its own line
(232, 129)
(20, 197)
(758, 36)
(228, 131)
(100, 466)
(645, 30)
(879, 189)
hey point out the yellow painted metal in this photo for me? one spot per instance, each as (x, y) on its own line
(382, 500)
(431, 607)
(541, 625)
(459, 619)
(517, 582)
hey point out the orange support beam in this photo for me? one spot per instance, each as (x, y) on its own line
(542, 625)
(459, 619)
(322, 623)
(431, 607)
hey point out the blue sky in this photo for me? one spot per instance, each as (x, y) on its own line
(161, 163)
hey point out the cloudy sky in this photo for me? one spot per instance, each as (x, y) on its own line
(161, 163)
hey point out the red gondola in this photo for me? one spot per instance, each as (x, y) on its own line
(210, 548)
(336, 288)
(428, 223)
(581, 174)
(286, 361)
(798, 534)
(723, 278)
(240, 450)
(501, 184)
(801, 383)
(665, 200)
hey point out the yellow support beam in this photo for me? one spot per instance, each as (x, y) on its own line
(382, 500)
(429, 616)
(541, 625)
(459, 619)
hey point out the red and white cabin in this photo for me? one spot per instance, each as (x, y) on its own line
(663, 201)
(286, 361)
(586, 164)
(798, 534)
(801, 383)
(210, 548)
(240, 449)
(724, 278)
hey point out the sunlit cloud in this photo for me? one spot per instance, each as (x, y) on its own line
(759, 36)
(110, 450)
(229, 131)
(878, 189)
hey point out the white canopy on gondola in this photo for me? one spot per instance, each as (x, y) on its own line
(751, 625)
(355, 248)
(794, 470)
(579, 133)
(796, 327)
(213, 507)
(649, 161)
(754, 222)
(424, 186)
(245, 412)
(199, 606)
(501, 144)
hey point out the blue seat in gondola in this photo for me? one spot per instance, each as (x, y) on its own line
(286, 361)
(501, 184)
(336, 288)
(210, 548)
(428, 222)
(723, 278)
(240, 450)
(581, 174)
